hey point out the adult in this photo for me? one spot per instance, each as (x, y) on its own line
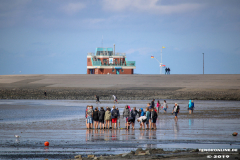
(118, 119)
(169, 70)
(97, 99)
(101, 115)
(166, 70)
(45, 93)
(153, 103)
(114, 115)
(149, 105)
(142, 121)
(134, 113)
(190, 107)
(154, 118)
(130, 121)
(126, 114)
(165, 106)
(158, 106)
(96, 117)
(115, 99)
(107, 118)
(89, 117)
(176, 109)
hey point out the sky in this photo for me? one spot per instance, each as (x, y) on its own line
(54, 36)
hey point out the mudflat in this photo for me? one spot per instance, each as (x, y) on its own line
(127, 87)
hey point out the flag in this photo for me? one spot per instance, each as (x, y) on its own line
(152, 56)
(163, 47)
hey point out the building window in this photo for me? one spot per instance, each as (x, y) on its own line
(122, 70)
(112, 70)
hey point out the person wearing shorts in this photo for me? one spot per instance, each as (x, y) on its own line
(142, 121)
(114, 115)
(130, 121)
(89, 117)
(176, 109)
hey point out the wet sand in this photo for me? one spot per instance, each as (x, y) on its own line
(126, 87)
(210, 126)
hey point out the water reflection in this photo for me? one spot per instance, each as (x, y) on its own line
(175, 129)
(190, 123)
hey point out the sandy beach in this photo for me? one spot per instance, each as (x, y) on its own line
(125, 87)
(62, 123)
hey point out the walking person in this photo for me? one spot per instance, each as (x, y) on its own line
(165, 106)
(107, 118)
(115, 99)
(190, 107)
(126, 114)
(166, 70)
(158, 106)
(101, 115)
(97, 99)
(96, 117)
(176, 109)
(114, 115)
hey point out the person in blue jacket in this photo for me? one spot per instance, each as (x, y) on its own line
(190, 107)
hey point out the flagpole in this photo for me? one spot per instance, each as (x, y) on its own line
(161, 63)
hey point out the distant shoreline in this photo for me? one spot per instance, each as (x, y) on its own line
(125, 87)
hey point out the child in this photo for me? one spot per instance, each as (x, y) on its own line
(148, 117)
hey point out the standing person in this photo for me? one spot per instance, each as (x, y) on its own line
(126, 114)
(115, 99)
(148, 118)
(169, 70)
(107, 118)
(118, 119)
(139, 112)
(142, 112)
(114, 115)
(165, 70)
(190, 108)
(45, 93)
(134, 113)
(101, 115)
(86, 115)
(176, 109)
(97, 99)
(89, 117)
(153, 103)
(158, 106)
(154, 118)
(96, 117)
(165, 106)
(142, 121)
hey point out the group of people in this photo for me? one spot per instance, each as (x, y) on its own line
(167, 70)
(110, 118)
(102, 118)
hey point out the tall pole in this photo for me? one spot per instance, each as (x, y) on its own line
(161, 62)
(203, 63)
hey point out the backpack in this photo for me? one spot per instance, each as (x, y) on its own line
(155, 114)
(114, 113)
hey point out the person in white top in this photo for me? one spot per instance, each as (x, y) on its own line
(115, 99)
(142, 121)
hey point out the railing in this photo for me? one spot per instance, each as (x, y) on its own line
(128, 63)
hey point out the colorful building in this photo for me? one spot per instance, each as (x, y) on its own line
(105, 61)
